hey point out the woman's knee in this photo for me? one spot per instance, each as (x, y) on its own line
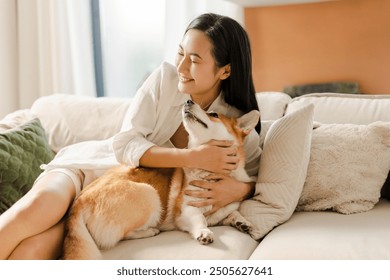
(55, 188)
(55, 184)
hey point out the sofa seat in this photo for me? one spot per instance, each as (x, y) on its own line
(330, 236)
(229, 244)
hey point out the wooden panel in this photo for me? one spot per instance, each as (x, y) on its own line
(345, 40)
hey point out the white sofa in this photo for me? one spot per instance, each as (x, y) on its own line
(306, 234)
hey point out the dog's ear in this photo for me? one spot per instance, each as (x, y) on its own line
(248, 121)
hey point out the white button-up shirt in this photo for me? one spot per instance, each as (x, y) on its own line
(153, 117)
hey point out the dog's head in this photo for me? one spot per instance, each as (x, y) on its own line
(203, 127)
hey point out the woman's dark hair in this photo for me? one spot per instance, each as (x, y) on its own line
(231, 45)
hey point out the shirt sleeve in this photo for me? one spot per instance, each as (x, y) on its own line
(139, 122)
(252, 154)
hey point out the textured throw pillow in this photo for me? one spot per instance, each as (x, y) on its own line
(22, 150)
(282, 172)
(348, 166)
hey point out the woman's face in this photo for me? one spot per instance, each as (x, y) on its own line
(198, 74)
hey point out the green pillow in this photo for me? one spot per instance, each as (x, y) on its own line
(22, 150)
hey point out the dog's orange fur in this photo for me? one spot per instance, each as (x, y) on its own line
(125, 200)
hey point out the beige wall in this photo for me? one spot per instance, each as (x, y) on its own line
(346, 40)
(8, 57)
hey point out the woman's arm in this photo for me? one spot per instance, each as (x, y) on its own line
(223, 191)
(140, 131)
(215, 156)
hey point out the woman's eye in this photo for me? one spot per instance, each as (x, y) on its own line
(213, 114)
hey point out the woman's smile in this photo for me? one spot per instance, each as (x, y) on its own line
(184, 79)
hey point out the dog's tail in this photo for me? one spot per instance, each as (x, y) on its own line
(79, 244)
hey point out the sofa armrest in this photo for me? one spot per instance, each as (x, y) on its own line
(15, 119)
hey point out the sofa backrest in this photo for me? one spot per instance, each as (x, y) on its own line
(69, 119)
(328, 107)
(345, 108)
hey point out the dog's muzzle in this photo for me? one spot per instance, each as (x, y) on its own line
(188, 114)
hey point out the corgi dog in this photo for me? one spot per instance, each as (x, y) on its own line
(135, 202)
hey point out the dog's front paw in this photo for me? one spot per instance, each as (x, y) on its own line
(206, 237)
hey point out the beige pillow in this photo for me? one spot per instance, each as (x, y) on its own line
(348, 166)
(282, 172)
(272, 104)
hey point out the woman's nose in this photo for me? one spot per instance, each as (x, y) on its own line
(182, 65)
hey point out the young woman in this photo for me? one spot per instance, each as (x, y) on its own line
(213, 68)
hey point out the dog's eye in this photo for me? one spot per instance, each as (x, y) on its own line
(213, 114)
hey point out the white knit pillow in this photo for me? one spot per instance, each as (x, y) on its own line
(348, 166)
(282, 172)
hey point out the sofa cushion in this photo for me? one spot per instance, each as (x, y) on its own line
(328, 235)
(229, 244)
(348, 167)
(22, 150)
(272, 105)
(282, 172)
(70, 119)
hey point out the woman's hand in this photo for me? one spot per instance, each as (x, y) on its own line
(215, 156)
(219, 191)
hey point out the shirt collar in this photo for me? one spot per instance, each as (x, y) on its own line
(217, 105)
(180, 98)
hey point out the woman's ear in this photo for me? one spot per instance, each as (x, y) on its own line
(225, 72)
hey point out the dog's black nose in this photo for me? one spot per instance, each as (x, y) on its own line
(189, 102)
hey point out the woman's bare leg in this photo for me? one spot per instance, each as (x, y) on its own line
(38, 211)
(43, 246)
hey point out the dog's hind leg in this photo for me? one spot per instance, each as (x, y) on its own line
(125, 208)
(236, 220)
(192, 220)
(222, 213)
